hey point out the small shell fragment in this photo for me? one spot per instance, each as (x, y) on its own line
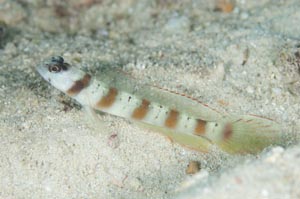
(225, 6)
(113, 141)
(193, 167)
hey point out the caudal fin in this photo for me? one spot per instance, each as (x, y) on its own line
(249, 134)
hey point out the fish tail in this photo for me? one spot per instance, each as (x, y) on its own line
(250, 134)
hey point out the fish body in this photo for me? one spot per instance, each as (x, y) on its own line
(181, 118)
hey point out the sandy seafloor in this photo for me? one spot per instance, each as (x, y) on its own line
(50, 147)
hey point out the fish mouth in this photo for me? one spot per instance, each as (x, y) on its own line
(41, 68)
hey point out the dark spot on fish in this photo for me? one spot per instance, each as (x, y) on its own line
(79, 85)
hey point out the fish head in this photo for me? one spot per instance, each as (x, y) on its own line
(59, 73)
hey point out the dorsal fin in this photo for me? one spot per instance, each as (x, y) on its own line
(142, 89)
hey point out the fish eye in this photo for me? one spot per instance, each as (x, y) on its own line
(54, 68)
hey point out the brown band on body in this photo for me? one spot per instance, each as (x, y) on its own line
(141, 111)
(227, 132)
(107, 100)
(79, 85)
(200, 127)
(172, 119)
